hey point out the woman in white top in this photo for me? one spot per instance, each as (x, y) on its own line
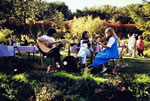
(85, 47)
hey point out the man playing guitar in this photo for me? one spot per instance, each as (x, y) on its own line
(53, 49)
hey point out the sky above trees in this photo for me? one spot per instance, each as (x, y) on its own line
(80, 4)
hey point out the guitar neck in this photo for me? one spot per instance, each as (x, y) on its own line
(55, 42)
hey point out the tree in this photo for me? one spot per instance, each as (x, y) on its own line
(60, 7)
(5, 9)
(122, 15)
(78, 13)
(142, 19)
(107, 11)
(93, 26)
(24, 9)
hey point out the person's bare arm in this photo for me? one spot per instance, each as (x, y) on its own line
(46, 42)
(77, 48)
(105, 46)
(41, 39)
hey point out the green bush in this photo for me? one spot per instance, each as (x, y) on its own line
(138, 84)
(46, 93)
(4, 35)
(146, 48)
(15, 88)
(146, 35)
(146, 44)
(94, 26)
(147, 52)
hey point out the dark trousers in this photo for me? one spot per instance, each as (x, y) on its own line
(140, 52)
(56, 54)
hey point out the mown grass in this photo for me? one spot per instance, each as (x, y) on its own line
(79, 86)
(137, 65)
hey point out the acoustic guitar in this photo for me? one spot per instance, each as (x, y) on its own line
(49, 48)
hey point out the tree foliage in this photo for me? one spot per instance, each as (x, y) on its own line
(4, 34)
(142, 19)
(24, 9)
(93, 26)
(5, 8)
(55, 7)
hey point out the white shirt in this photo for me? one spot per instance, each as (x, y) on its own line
(133, 42)
(85, 44)
(111, 41)
(46, 38)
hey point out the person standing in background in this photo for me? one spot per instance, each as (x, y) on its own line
(129, 44)
(25, 42)
(140, 46)
(133, 45)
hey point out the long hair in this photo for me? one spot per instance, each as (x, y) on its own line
(112, 32)
(83, 34)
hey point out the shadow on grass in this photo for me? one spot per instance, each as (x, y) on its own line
(137, 65)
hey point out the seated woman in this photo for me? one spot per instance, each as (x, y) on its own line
(85, 47)
(110, 50)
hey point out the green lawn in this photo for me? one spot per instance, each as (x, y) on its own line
(81, 86)
(137, 65)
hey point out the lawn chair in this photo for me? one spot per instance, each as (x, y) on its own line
(116, 61)
(73, 50)
(44, 55)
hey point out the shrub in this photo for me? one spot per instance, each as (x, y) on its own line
(46, 93)
(147, 52)
(94, 26)
(139, 85)
(15, 89)
(146, 48)
(4, 34)
(146, 44)
(146, 35)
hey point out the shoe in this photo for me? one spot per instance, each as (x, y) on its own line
(104, 69)
(125, 65)
(142, 56)
(57, 65)
(118, 65)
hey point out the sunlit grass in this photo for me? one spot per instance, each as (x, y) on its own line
(2, 75)
(142, 78)
(84, 75)
(21, 77)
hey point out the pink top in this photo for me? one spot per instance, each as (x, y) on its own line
(98, 48)
(140, 44)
